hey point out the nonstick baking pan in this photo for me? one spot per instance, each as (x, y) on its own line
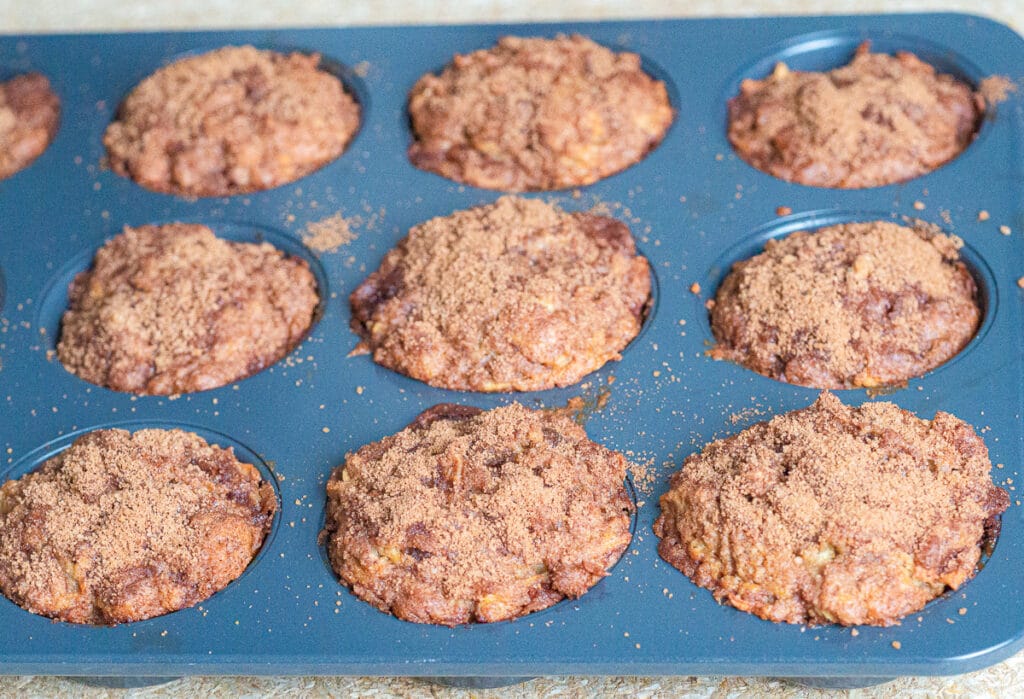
(694, 207)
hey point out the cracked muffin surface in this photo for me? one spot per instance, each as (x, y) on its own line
(29, 117)
(878, 120)
(537, 114)
(122, 527)
(851, 305)
(473, 516)
(511, 296)
(231, 121)
(173, 309)
(833, 514)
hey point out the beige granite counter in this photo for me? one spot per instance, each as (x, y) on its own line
(1005, 679)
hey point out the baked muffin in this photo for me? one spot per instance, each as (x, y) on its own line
(173, 309)
(512, 296)
(29, 115)
(231, 121)
(533, 114)
(878, 120)
(855, 304)
(121, 527)
(833, 514)
(467, 515)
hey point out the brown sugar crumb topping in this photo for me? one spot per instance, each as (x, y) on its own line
(881, 119)
(174, 309)
(516, 295)
(834, 514)
(121, 527)
(231, 121)
(855, 304)
(29, 116)
(537, 114)
(477, 516)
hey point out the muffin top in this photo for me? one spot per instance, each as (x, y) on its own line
(843, 515)
(537, 114)
(467, 515)
(855, 304)
(173, 309)
(878, 120)
(516, 295)
(29, 116)
(231, 121)
(121, 527)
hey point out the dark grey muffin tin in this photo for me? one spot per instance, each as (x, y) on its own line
(694, 207)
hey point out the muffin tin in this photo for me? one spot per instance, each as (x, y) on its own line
(694, 207)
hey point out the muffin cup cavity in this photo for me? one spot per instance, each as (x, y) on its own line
(754, 243)
(650, 310)
(53, 299)
(38, 456)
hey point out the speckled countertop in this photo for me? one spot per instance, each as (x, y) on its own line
(1005, 679)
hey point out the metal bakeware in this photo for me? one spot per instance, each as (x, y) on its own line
(694, 207)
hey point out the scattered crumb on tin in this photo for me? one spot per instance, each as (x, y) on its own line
(746, 414)
(329, 234)
(362, 69)
(854, 632)
(1020, 282)
(359, 390)
(1005, 230)
(783, 211)
(983, 215)
(962, 611)
(359, 350)
(644, 475)
(695, 288)
(919, 205)
(897, 645)
(995, 89)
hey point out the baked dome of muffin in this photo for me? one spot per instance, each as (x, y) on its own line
(29, 117)
(121, 527)
(878, 120)
(173, 309)
(231, 121)
(468, 515)
(833, 514)
(537, 114)
(851, 305)
(511, 296)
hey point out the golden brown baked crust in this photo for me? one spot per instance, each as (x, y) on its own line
(174, 309)
(833, 514)
(29, 116)
(537, 114)
(878, 120)
(477, 516)
(231, 121)
(856, 304)
(121, 527)
(515, 295)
